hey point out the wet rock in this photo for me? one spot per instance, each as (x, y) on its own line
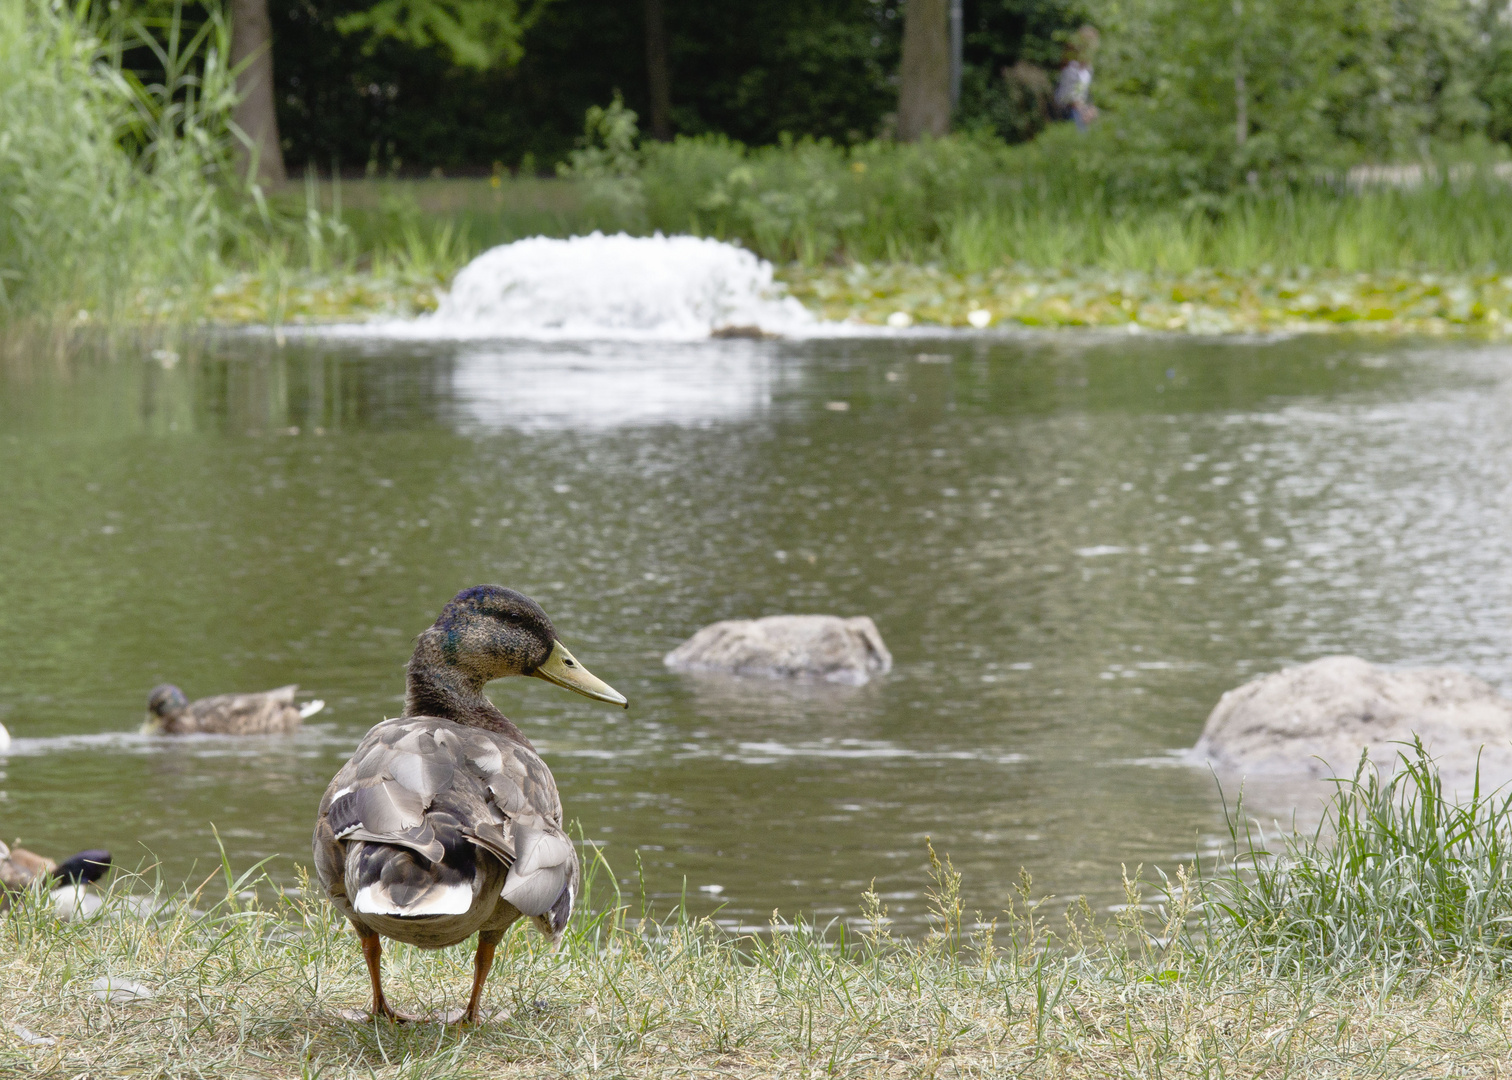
(788, 646)
(1317, 718)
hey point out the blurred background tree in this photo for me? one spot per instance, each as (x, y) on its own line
(1198, 99)
(1208, 97)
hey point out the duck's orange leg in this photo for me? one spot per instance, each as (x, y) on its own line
(482, 963)
(372, 952)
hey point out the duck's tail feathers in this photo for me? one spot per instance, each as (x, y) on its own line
(310, 708)
(440, 898)
(392, 880)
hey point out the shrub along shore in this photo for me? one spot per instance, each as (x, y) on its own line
(1378, 945)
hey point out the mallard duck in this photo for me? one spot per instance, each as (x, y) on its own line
(272, 712)
(19, 868)
(446, 822)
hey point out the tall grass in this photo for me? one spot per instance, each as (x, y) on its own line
(974, 206)
(108, 185)
(1396, 876)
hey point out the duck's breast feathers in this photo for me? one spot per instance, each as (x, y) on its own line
(423, 798)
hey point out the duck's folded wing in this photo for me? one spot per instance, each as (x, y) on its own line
(539, 858)
(541, 871)
(525, 833)
(384, 811)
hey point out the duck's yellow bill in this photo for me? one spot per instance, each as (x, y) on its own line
(564, 670)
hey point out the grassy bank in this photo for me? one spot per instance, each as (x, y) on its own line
(1380, 954)
(389, 247)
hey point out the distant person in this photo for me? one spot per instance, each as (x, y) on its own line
(1073, 93)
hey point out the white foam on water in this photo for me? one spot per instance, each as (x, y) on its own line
(600, 385)
(619, 288)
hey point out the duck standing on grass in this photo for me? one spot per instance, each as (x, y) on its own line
(446, 822)
(271, 712)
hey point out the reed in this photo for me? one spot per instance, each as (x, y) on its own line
(108, 186)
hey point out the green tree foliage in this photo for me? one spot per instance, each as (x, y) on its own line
(477, 34)
(1207, 96)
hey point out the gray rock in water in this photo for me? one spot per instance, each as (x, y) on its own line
(1332, 709)
(788, 646)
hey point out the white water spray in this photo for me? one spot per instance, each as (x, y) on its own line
(620, 287)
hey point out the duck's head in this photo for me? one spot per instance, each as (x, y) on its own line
(489, 632)
(164, 703)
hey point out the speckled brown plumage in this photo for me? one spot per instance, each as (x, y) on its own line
(445, 822)
(271, 712)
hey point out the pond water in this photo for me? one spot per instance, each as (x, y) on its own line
(1072, 545)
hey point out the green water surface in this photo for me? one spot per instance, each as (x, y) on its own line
(1072, 546)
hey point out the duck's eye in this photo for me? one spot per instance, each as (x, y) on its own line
(570, 663)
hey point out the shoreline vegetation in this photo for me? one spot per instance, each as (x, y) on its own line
(1375, 946)
(387, 247)
(139, 217)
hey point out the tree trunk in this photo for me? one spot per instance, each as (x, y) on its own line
(957, 51)
(1241, 92)
(658, 76)
(924, 85)
(252, 36)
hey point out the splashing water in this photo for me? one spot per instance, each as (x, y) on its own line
(616, 287)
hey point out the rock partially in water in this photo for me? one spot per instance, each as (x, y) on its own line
(788, 646)
(1317, 718)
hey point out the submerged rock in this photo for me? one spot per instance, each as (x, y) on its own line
(1317, 719)
(788, 646)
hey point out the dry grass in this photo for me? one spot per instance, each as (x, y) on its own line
(246, 988)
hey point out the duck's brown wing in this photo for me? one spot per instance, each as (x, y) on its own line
(410, 823)
(270, 712)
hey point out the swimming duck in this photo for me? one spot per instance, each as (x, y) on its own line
(19, 868)
(272, 712)
(446, 822)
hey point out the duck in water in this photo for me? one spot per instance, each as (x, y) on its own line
(19, 868)
(446, 822)
(272, 712)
